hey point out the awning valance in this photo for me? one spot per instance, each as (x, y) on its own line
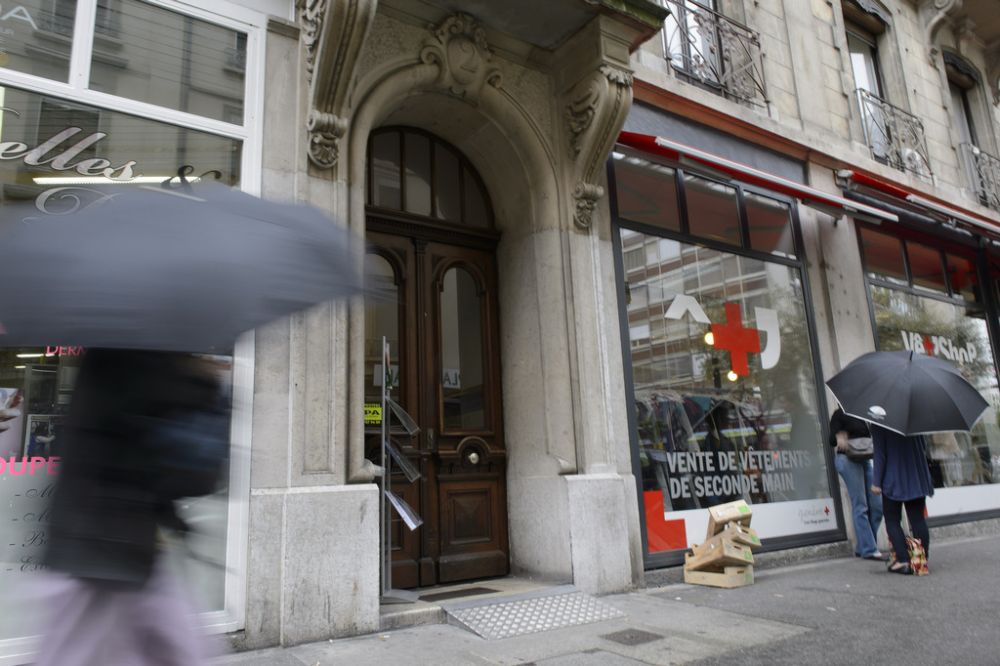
(828, 203)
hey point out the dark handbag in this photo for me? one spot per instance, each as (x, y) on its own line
(860, 449)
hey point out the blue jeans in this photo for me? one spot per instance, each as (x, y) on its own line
(866, 508)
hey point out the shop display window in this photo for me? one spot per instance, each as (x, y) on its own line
(934, 306)
(647, 192)
(721, 366)
(58, 156)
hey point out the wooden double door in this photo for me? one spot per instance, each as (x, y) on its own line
(437, 306)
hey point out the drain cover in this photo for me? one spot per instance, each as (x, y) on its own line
(504, 619)
(632, 637)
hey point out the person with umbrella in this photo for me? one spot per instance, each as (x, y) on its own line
(855, 468)
(903, 478)
(903, 395)
(144, 281)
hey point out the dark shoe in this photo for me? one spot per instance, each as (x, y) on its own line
(903, 568)
(878, 557)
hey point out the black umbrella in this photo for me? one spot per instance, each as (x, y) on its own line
(908, 393)
(183, 270)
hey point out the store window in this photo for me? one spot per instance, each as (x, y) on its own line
(723, 380)
(936, 308)
(97, 96)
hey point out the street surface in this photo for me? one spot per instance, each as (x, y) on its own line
(839, 611)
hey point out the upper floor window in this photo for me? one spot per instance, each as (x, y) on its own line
(706, 47)
(965, 98)
(894, 136)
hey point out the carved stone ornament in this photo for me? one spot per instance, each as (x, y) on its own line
(594, 111)
(325, 131)
(459, 48)
(586, 196)
(333, 34)
(937, 13)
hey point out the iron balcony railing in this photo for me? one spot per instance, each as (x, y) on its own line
(983, 170)
(894, 136)
(708, 48)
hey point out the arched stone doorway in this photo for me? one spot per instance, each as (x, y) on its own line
(429, 226)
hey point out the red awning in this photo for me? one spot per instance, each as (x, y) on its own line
(829, 203)
(885, 187)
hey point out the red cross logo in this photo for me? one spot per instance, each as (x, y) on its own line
(736, 339)
(928, 345)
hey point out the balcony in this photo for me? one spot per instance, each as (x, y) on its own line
(714, 51)
(983, 170)
(894, 136)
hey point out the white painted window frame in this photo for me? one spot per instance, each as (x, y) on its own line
(220, 12)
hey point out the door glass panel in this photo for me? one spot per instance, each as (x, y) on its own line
(418, 174)
(477, 213)
(381, 319)
(384, 160)
(462, 372)
(446, 180)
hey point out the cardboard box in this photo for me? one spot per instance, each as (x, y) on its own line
(741, 534)
(718, 516)
(715, 554)
(729, 577)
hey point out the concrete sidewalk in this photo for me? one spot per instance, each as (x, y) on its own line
(839, 611)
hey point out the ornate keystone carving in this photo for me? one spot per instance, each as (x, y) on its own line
(465, 62)
(333, 34)
(594, 111)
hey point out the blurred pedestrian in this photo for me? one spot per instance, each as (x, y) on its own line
(903, 479)
(852, 442)
(144, 430)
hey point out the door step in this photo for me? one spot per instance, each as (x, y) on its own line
(544, 610)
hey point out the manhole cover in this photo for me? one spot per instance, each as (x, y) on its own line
(632, 637)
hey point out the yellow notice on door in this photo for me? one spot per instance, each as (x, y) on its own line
(373, 413)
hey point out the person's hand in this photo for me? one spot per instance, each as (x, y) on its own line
(10, 413)
(876, 490)
(842, 442)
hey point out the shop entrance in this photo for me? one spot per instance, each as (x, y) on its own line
(436, 304)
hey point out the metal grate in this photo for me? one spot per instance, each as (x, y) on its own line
(505, 619)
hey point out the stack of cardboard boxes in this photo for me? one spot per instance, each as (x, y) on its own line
(725, 559)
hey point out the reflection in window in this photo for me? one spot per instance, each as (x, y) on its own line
(462, 372)
(923, 325)
(770, 225)
(36, 37)
(113, 145)
(381, 319)
(687, 397)
(417, 148)
(646, 192)
(169, 59)
(926, 267)
(883, 256)
(712, 210)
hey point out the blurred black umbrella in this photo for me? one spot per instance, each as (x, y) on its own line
(187, 269)
(908, 393)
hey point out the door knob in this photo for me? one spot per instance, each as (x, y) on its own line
(473, 458)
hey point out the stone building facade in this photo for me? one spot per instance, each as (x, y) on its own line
(552, 273)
